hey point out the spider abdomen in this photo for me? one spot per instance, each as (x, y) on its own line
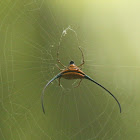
(72, 75)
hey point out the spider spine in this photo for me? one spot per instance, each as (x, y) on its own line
(87, 77)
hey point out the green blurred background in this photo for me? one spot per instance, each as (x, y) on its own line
(109, 35)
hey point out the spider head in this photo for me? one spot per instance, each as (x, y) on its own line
(71, 62)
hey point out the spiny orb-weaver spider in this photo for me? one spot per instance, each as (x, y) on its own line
(73, 72)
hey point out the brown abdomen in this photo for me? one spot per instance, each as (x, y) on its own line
(72, 75)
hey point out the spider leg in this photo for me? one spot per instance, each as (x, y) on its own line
(58, 67)
(83, 61)
(78, 83)
(59, 60)
(42, 97)
(87, 77)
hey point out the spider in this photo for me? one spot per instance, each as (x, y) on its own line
(74, 72)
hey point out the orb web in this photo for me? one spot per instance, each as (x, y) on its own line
(29, 45)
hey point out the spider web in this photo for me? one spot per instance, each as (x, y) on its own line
(31, 32)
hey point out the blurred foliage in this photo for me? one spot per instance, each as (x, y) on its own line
(108, 33)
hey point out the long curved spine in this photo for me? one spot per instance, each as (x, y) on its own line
(42, 97)
(87, 77)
